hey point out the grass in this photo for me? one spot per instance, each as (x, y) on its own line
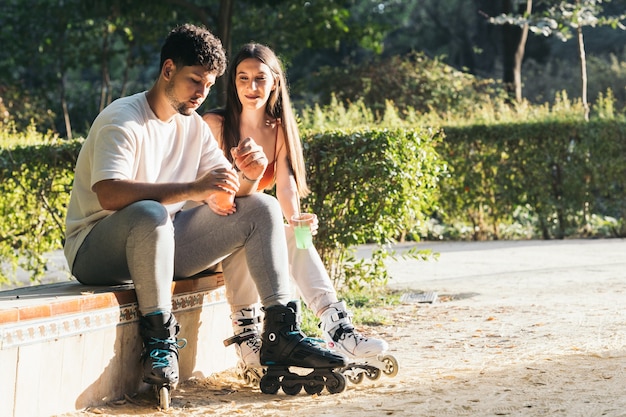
(362, 304)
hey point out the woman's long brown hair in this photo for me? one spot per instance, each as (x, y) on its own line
(278, 107)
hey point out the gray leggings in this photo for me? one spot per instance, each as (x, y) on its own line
(142, 245)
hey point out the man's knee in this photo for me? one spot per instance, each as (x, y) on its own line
(148, 214)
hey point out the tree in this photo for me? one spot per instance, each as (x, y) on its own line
(62, 62)
(513, 41)
(514, 48)
(564, 20)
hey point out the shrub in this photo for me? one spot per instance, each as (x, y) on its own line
(560, 171)
(370, 186)
(36, 172)
(415, 82)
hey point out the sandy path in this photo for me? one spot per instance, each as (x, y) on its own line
(519, 330)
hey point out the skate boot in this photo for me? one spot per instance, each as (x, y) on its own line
(366, 356)
(284, 345)
(247, 340)
(160, 354)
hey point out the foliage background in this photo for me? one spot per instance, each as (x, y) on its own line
(414, 84)
(61, 62)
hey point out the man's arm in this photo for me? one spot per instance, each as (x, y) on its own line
(117, 194)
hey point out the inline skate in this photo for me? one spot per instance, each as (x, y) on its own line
(247, 340)
(366, 356)
(160, 354)
(284, 346)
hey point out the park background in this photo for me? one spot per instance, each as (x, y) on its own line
(421, 120)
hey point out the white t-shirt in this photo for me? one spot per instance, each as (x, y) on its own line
(128, 141)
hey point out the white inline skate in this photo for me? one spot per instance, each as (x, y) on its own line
(366, 356)
(247, 340)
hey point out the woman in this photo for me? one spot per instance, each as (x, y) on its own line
(258, 107)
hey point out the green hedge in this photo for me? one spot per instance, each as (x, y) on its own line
(377, 186)
(34, 183)
(561, 172)
(368, 186)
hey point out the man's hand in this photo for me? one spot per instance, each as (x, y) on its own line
(221, 179)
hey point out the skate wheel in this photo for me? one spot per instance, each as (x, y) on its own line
(251, 377)
(336, 383)
(391, 366)
(164, 398)
(356, 379)
(314, 387)
(292, 389)
(373, 374)
(269, 384)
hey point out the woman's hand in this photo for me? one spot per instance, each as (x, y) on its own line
(314, 223)
(250, 158)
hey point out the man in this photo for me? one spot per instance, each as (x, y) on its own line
(145, 157)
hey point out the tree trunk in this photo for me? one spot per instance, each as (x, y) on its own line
(66, 113)
(514, 39)
(519, 55)
(105, 81)
(128, 62)
(63, 89)
(223, 31)
(583, 70)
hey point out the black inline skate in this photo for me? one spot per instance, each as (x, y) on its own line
(284, 346)
(160, 354)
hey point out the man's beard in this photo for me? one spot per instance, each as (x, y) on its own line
(179, 106)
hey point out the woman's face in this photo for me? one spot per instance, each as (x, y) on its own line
(255, 82)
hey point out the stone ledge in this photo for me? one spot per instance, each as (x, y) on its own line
(73, 346)
(41, 301)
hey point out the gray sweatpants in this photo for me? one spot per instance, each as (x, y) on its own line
(142, 245)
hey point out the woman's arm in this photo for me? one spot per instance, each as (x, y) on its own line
(286, 190)
(249, 157)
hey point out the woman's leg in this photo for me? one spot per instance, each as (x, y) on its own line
(240, 288)
(310, 275)
(318, 293)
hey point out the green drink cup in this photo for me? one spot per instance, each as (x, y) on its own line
(302, 229)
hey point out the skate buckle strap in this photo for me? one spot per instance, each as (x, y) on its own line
(314, 340)
(340, 315)
(247, 321)
(288, 317)
(240, 338)
(341, 331)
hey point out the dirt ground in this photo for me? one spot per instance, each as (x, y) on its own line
(543, 337)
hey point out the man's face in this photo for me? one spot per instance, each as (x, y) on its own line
(187, 87)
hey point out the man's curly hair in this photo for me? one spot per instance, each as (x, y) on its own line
(189, 45)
